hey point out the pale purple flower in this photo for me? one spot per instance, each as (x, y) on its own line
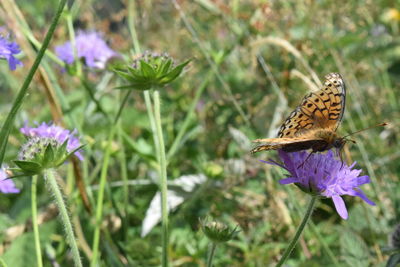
(323, 175)
(54, 131)
(7, 186)
(8, 50)
(90, 46)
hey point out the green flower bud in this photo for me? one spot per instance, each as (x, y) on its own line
(150, 70)
(218, 232)
(213, 170)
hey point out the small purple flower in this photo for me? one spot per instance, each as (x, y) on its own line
(90, 46)
(323, 175)
(7, 186)
(8, 50)
(53, 131)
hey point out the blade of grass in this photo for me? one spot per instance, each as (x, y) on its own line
(6, 128)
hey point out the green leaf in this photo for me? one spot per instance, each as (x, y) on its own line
(3, 263)
(393, 261)
(48, 155)
(147, 70)
(123, 74)
(29, 167)
(354, 250)
(164, 68)
(21, 252)
(137, 86)
(173, 74)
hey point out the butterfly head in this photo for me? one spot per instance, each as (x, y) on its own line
(339, 143)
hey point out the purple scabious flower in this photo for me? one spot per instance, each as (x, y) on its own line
(7, 186)
(55, 132)
(8, 50)
(323, 175)
(90, 46)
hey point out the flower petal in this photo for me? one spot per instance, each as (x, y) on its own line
(289, 180)
(272, 162)
(340, 206)
(359, 193)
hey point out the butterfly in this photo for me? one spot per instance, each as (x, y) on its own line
(313, 124)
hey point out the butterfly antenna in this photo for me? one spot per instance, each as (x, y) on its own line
(378, 125)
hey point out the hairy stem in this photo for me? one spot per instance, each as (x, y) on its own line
(58, 196)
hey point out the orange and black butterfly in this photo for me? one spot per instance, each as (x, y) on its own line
(313, 124)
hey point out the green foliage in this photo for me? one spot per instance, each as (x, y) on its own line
(260, 57)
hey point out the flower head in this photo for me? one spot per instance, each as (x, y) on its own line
(323, 175)
(7, 186)
(43, 152)
(89, 46)
(218, 232)
(59, 134)
(8, 50)
(150, 70)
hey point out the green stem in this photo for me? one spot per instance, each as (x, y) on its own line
(100, 197)
(131, 25)
(35, 224)
(150, 115)
(58, 196)
(71, 32)
(5, 130)
(163, 177)
(102, 185)
(299, 231)
(211, 254)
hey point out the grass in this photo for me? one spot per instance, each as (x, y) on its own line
(251, 63)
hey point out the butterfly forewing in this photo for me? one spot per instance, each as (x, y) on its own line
(320, 110)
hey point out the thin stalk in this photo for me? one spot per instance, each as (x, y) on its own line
(299, 231)
(71, 32)
(102, 184)
(163, 177)
(58, 196)
(5, 130)
(35, 224)
(131, 25)
(211, 254)
(100, 198)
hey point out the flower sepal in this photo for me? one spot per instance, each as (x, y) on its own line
(218, 232)
(152, 70)
(40, 154)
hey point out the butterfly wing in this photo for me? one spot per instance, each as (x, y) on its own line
(322, 109)
(287, 144)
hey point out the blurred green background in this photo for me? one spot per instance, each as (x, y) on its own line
(251, 63)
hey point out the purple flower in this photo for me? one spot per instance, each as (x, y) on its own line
(8, 50)
(90, 46)
(7, 186)
(53, 131)
(323, 175)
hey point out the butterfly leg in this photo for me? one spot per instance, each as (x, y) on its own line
(340, 155)
(309, 155)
